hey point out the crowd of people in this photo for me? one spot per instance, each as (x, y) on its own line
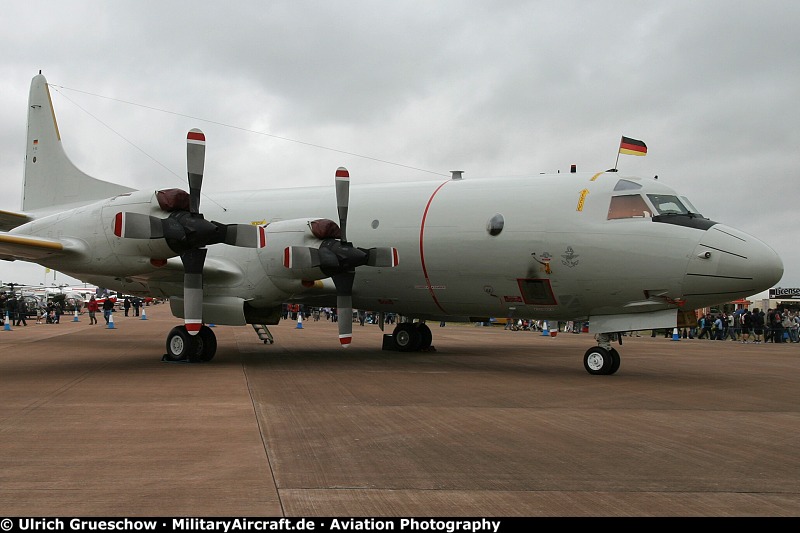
(360, 316)
(746, 326)
(743, 325)
(19, 308)
(16, 309)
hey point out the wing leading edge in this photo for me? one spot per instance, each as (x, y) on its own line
(30, 248)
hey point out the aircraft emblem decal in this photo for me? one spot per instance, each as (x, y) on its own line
(569, 257)
(544, 260)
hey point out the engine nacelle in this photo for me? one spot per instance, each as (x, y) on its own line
(141, 202)
(229, 311)
(285, 234)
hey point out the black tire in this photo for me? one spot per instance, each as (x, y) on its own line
(425, 336)
(407, 337)
(180, 345)
(206, 345)
(598, 361)
(615, 361)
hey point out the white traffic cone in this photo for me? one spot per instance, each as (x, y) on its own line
(110, 321)
(545, 331)
(75, 318)
(675, 335)
(144, 313)
(299, 320)
(7, 323)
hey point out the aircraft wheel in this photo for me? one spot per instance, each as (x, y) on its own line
(206, 345)
(407, 337)
(615, 361)
(426, 336)
(180, 345)
(598, 361)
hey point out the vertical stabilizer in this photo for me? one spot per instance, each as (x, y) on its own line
(51, 179)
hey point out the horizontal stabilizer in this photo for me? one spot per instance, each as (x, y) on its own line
(10, 220)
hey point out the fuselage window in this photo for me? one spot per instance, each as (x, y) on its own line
(495, 225)
(628, 206)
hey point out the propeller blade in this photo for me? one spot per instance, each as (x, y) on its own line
(193, 261)
(383, 257)
(344, 308)
(195, 162)
(342, 198)
(138, 226)
(300, 257)
(344, 305)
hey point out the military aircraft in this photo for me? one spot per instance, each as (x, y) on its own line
(621, 252)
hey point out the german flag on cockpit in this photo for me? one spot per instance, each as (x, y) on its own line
(632, 147)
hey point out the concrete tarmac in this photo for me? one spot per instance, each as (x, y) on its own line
(491, 423)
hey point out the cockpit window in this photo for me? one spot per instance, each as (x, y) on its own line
(668, 204)
(628, 206)
(688, 204)
(627, 185)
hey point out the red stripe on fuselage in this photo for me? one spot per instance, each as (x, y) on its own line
(422, 247)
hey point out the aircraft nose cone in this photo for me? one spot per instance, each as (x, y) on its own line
(731, 264)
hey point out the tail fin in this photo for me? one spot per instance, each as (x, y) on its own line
(51, 179)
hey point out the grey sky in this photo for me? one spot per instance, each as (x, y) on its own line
(492, 88)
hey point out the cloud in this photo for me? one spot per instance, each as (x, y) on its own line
(500, 88)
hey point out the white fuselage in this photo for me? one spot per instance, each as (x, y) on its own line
(557, 255)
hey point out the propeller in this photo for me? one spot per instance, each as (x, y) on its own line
(194, 258)
(338, 258)
(187, 232)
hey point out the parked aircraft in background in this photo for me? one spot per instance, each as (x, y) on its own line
(621, 252)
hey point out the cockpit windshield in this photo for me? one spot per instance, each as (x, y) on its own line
(631, 201)
(668, 204)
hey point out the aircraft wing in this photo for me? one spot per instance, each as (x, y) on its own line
(10, 220)
(215, 271)
(30, 248)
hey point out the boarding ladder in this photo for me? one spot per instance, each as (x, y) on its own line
(263, 333)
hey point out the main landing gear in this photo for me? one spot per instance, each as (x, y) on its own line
(602, 359)
(198, 348)
(412, 337)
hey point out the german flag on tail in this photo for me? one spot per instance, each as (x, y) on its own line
(632, 147)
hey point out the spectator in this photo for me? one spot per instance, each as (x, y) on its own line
(22, 311)
(108, 308)
(93, 308)
(718, 328)
(746, 321)
(758, 325)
